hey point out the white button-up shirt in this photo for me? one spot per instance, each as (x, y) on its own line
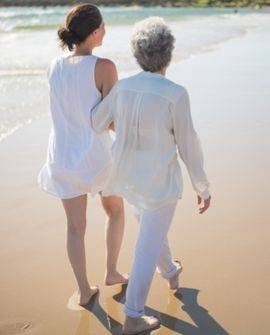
(152, 118)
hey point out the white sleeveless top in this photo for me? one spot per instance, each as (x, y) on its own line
(78, 159)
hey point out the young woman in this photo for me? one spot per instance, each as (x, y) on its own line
(78, 159)
(152, 121)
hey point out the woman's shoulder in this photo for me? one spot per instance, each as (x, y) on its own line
(105, 66)
(174, 90)
(56, 59)
(52, 65)
(174, 86)
(105, 74)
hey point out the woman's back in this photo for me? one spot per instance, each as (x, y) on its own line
(75, 152)
(151, 115)
(72, 87)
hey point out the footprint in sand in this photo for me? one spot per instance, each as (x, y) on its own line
(73, 303)
(17, 327)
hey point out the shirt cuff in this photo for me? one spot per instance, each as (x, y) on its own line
(205, 195)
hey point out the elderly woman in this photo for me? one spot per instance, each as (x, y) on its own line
(152, 119)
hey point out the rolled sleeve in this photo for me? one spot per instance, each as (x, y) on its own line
(189, 145)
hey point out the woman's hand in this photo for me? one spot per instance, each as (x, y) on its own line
(205, 205)
(111, 127)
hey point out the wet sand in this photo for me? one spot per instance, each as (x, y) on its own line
(224, 252)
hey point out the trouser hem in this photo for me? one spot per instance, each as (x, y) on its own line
(132, 313)
(171, 273)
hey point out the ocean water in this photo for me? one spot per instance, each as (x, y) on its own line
(28, 42)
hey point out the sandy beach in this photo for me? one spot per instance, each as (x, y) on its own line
(224, 252)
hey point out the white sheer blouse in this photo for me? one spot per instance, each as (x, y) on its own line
(152, 119)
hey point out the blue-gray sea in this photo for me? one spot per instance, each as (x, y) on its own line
(28, 42)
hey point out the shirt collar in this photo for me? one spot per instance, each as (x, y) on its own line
(151, 74)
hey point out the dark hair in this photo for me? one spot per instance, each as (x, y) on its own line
(81, 21)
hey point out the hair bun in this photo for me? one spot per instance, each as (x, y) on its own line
(68, 38)
(80, 22)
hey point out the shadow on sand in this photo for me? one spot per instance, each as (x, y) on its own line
(205, 324)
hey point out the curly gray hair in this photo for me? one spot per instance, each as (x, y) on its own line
(152, 44)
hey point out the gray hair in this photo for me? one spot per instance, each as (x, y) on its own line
(152, 44)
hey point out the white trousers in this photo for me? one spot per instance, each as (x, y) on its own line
(152, 252)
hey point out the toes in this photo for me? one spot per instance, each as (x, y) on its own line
(94, 289)
(119, 279)
(126, 277)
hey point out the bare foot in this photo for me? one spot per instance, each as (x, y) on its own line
(138, 325)
(174, 281)
(116, 278)
(85, 297)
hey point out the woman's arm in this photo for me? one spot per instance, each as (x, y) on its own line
(105, 77)
(189, 145)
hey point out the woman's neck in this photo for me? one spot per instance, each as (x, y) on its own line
(82, 51)
(162, 71)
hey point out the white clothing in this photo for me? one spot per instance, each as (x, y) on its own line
(78, 159)
(166, 266)
(152, 118)
(151, 251)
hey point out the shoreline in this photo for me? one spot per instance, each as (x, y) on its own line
(144, 3)
(178, 57)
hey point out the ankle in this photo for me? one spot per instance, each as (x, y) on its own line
(133, 320)
(84, 289)
(111, 273)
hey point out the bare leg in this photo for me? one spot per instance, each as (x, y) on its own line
(75, 209)
(114, 209)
